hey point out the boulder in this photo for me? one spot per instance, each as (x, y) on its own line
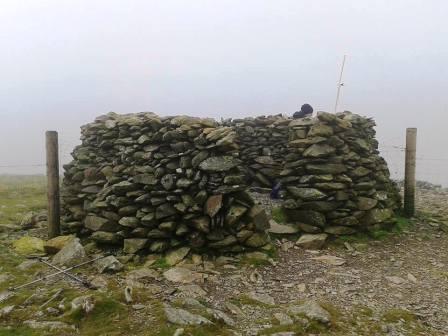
(72, 253)
(108, 264)
(28, 245)
(312, 241)
(56, 244)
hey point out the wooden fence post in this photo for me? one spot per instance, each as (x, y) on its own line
(409, 172)
(54, 221)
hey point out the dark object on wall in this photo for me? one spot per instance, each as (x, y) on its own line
(275, 192)
(305, 111)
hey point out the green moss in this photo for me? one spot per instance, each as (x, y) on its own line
(160, 264)
(379, 234)
(401, 224)
(278, 215)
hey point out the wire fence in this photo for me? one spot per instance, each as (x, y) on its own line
(67, 142)
(430, 169)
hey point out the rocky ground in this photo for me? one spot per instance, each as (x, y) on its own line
(393, 283)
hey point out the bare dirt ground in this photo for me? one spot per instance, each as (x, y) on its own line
(407, 272)
(396, 284)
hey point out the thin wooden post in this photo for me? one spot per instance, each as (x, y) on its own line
(54, 221)
(409, 172)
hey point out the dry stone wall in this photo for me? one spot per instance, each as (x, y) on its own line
(149, 184)
(334, 178)
(262, 145)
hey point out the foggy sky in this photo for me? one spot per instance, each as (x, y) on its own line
(64, 62)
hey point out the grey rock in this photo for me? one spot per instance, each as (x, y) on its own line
(131, 222)
(182, 275)
(312, 241)
(183, 317)
(219, 163)
(312, 310)
(96, 223)
(5, 311)
(133, 245)
(257, 240)
(173, 257)
(283, 319)
(277, 228)
(319, 150)
(108, 264)
(220, 316)
(365, 203)
(307, 194)
(106, 237)
(70, 254)
(50, 325)
(261, 298)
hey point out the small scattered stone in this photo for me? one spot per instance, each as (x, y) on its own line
(86, 303)
(50, 325)
(330, 260)
(108, 264)
(261, 298)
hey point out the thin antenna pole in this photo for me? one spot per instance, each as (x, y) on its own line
(339, 85)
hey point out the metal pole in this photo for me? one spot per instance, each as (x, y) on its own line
(409, 172)
(57, 273)
(71, 276)
(54, 221)
(340, 84)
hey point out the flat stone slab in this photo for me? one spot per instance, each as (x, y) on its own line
(277, 228)
(184, 317)
(312, 241)
(182, 275)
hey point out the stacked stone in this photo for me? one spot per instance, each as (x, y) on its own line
(149, 183)
(263, 145)
(334, 178)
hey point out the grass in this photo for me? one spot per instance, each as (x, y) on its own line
(101, 321)
(397, 315)
(22, 331)
(401, 225)
(19, 195)
(160, 264)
